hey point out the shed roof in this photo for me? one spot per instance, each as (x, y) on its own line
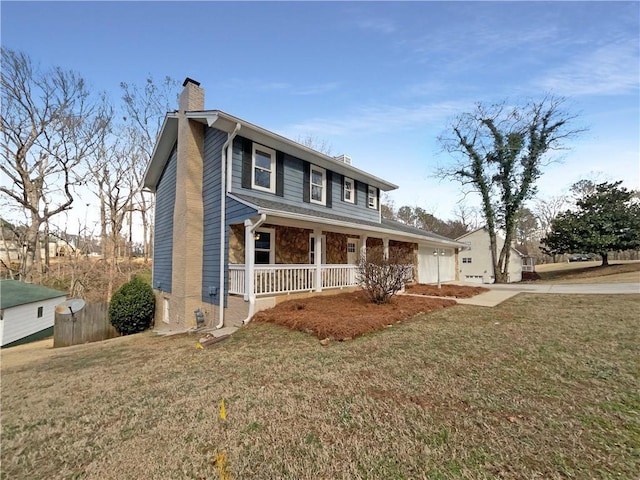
(14, 293)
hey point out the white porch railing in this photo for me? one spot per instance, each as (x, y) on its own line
(236, 279)
(275, 279)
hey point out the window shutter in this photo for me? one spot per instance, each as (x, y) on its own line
(280, 174)
(247, 152)
(378, 200)
(355, 191)
(329, 178)
(306, 182)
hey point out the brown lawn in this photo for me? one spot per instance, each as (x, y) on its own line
(457, 291)
(346, 315)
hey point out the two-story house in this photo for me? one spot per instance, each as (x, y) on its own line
(245, 217)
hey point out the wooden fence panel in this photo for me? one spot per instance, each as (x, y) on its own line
(91, 324)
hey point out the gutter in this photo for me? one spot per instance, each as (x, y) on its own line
(223, 220)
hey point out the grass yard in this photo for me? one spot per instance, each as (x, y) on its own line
(542, 386)
(590, 272)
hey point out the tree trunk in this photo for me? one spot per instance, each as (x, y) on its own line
(605, 259)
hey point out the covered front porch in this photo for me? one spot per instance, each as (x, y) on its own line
(272, 256)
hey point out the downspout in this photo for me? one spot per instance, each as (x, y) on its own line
(224, 188)
(249, 231)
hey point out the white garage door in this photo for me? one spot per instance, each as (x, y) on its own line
(428, 265)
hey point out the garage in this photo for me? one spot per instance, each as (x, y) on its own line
(428, 264)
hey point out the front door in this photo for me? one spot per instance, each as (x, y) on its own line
(353, 252)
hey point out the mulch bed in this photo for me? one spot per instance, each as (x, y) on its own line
(346, 315)
(456, 291)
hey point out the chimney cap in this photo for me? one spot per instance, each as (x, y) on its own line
(190, 80)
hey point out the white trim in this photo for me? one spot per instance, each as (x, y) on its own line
(322, 185)
(323, 248)
(373, 190)
(272, 170)
(352, 191)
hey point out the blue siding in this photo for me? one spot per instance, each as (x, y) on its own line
(163, 236)
(293, 185)
(238, 212)
(211, 187)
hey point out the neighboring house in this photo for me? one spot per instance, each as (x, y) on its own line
(27, 312)
(244, 216)
(475, 262)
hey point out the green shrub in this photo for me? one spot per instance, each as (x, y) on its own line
(132, 307)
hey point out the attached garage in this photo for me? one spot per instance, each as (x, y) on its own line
(428, 264)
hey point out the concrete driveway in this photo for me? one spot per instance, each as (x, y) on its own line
(498, 293)
(576, 288)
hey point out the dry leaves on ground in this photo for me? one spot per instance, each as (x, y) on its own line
(457, 291)
(346, 315)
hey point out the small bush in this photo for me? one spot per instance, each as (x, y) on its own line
(382, 277)
(132, 307)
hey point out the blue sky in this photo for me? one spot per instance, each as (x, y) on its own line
(378, 81)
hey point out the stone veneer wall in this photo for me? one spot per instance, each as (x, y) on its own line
(336, 248)
(292, 245)
(236, 244)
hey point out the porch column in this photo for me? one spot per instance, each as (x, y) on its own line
(317, 237)
(249, 258)
(363, 247)
(385, 248)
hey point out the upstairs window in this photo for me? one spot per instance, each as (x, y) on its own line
(318, 184)
(372, 197)
(263, 169)
(40, 311)
(348, 194)
(466, 259)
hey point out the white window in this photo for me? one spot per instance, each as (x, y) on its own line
(318, 184)
(312, 249)
(372, 198)
(264, 251)
(466, 259)
(348, 194)
(263, 169)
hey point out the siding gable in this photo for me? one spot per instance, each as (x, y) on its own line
(211, 190)
(163, 235)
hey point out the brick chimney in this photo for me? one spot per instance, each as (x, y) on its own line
(186, 295)
(192, 96)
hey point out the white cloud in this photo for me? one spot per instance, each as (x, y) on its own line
(609, 70)
(378, 119)
(381, 25)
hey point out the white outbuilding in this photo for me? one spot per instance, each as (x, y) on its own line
(27, 312)
(475, 263)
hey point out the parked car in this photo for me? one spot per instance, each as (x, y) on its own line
(579, 257)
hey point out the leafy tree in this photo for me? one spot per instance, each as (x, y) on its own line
(501, 152)
(607, 219)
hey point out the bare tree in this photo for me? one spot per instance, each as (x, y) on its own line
(501, 152)
(145, 108)
(315, 143)
(547, 209)
(115, 187)
(382, 276)
(49, 124)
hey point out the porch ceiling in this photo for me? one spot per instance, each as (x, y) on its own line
(293, 216)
